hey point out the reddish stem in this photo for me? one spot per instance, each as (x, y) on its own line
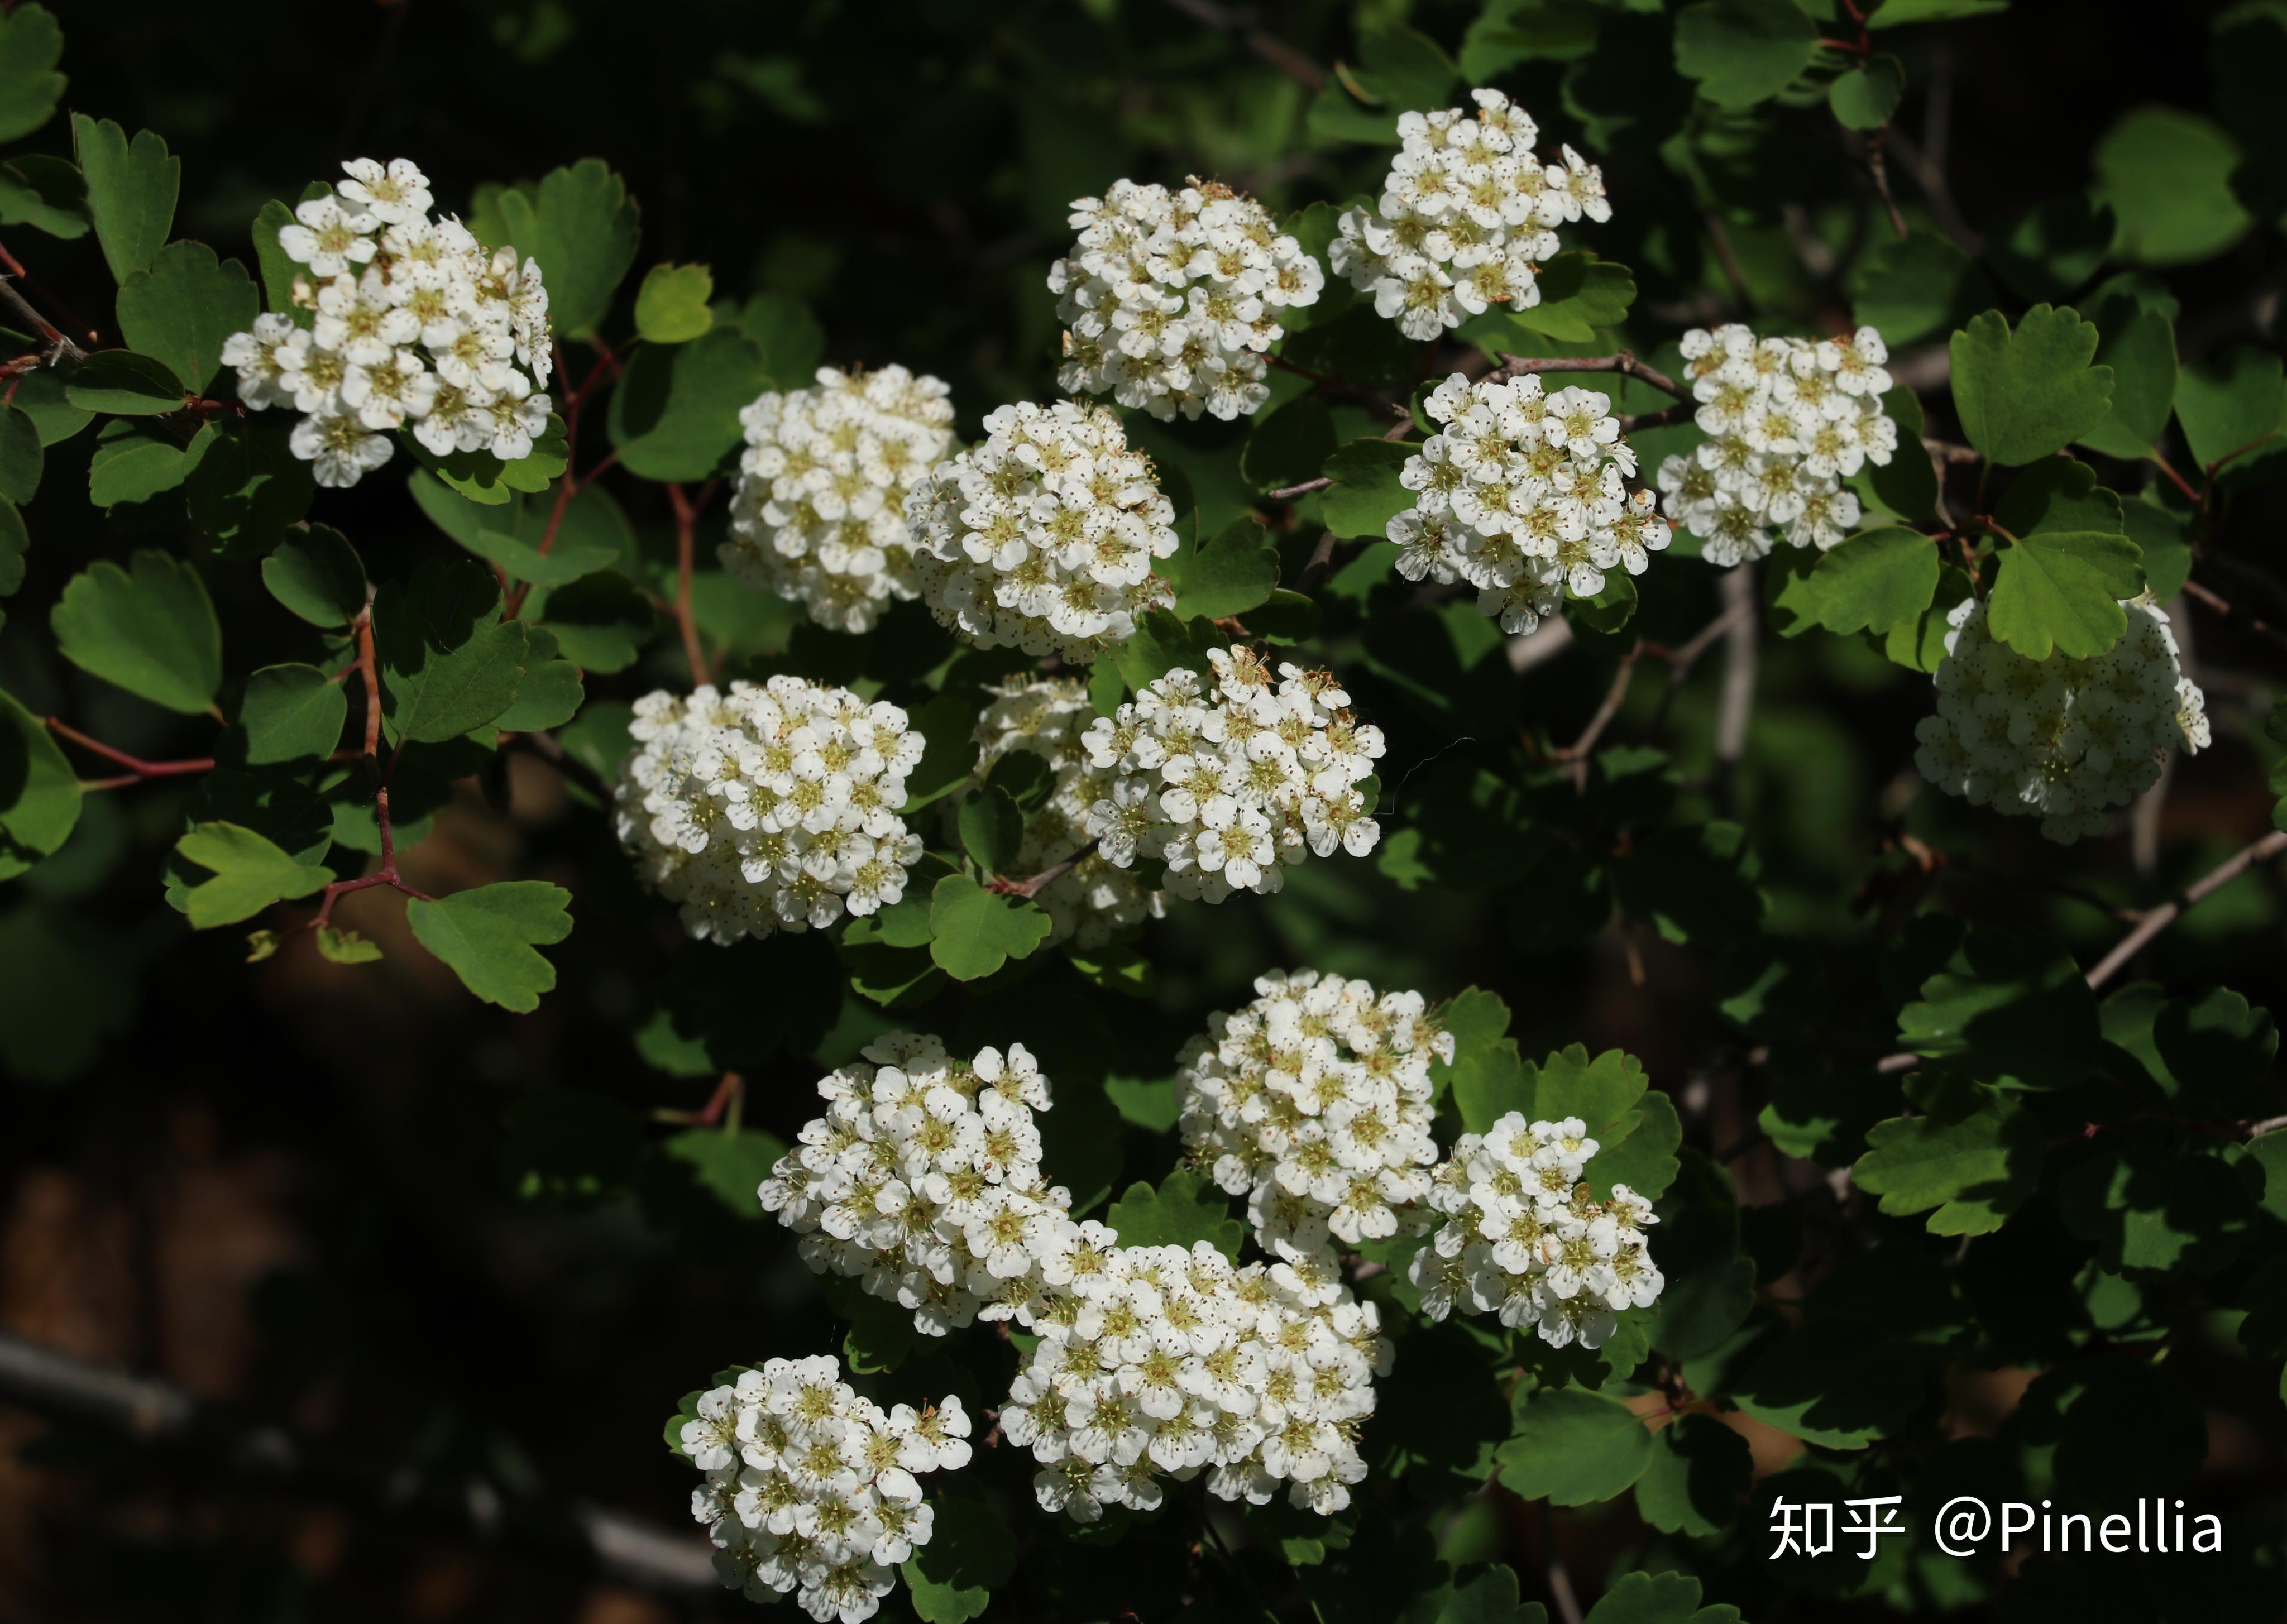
(135, 765)
(687, 523)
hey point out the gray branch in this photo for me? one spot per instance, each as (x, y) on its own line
(583, 1537)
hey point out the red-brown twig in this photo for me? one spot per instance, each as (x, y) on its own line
(1041, 882)
(687, 523)
(1269, 46)
(2208, 596)
(369, 669)
(1622, 361)
(138, 768)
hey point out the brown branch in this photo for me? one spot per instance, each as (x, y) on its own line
(1880, 171)
(62, 343)
(1622, 361)
(1930, 178)
(2212, 599)
(1738, 699)
(1041, 882)
(1606, 710)
(2199, 891)
(1269, 46)
(135, 766)
(552, 750)
(686, 521)
(1287, 493)
(1946, 450)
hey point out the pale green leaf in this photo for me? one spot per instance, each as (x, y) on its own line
(489, 935)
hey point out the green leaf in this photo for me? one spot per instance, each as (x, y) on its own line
(549, 693)
(1185, 1209)
(2012, 1006)
(131, 192)
(581, 227)
(15, 545)
(1864, 98)
(1574, 1446)
(250, 872)
(135, 462)
(1974, 1172)
(1662, 1598)
(2152, 1208)
(338, 947)
(2026, 394)
(1698, 1472)
(2048, 252)
(1829, 1384)
(671, 304)
(1907, 484)
(2063, 591)
(449, 663)
(1769, 986)
(991, 829)
(488, 935)
(1898, 13)
(1365, 495)
(974, 931)
(179, 311)
(124, 384)
(152, 631)
(2139, 345)
(1744, 51)
(788, 336)
(724, 1167)
(1915, 287)
(1163, 644)
(1580, 293)
(291, 713)
(1227, 575)
(970, 1555)
(1508, 32)
(1875, 581)
(246, 487)
(43, 395)
(675, 414)
(2166, 175)
(30, 46)
(2229, 402)
(1289, 444)
(279, 271)
(39, 793)
(601, 622)
(45, 193)
(316, 573)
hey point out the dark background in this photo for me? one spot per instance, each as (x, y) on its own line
(290, 1186)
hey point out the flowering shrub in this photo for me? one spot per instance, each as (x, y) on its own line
(1347, 813)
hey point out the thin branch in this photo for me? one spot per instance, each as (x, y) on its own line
(1880, 171)
(1269, 46)
(136, 765)
(1041, 882)
(1622, 361)
(62, 344)
(1931, 179)
(223, 1442)
(1681, 659)
(1614, 697)
(2199, 891)
(1946, 450)
(1553, 1572)
(552, 750)
(686, 521)
(1738, 699)
(1287, 493)
(1727, 257)
(2232, 613)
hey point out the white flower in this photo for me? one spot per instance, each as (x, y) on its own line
(1523, 495)
(1787, 421)
(820, 512)
(1465, 218)
(1049, 717)
(1169, 300)
(2066, 740)
(1521, 1237)
(770, 807)
(1043, 537)
(1229, 788)
(805, 1489)
(1314, 1102)
(413, 326)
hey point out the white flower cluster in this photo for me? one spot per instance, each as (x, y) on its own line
(1170, 298)
(1225, 786)
(1048, 717)
(1522, 495)
(772, 807)
(820, 512)
(416, 323)
(811, 1488)
(1159, 1361)
(923, 1181)
(1522, 1236)
(1787, 421)
(1043, 537)
(1466, 217)
(1314, 1102)
(2062, 739)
